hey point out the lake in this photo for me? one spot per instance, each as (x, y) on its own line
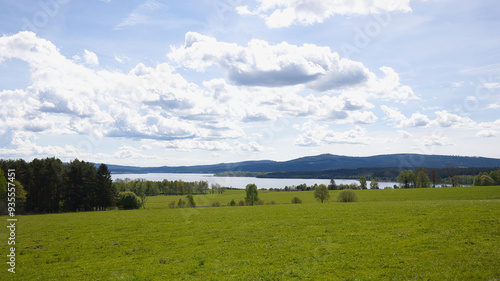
(238, 182)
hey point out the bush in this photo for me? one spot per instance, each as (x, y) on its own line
(232, 203)
(190, 201)
(128, 200)
(171, 204)
(215, 204)
(296, 200)
(347, 195)
(259, 202)
(181, 203)
(241, 203)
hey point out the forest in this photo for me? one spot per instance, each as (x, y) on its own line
(49, 186)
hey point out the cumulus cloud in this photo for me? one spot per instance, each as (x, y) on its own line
(317, 135)
(487, 133)
(90, 58)
(446, 119)
(259, 64)
(283, 13)
(415, 120)
(262, 64)
(389, 87)
(493, 106)
(155, 103)
(70, 98)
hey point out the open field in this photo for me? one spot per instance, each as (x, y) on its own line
(416, 234)
(285, 197)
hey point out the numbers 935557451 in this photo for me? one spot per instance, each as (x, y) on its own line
(11, 192)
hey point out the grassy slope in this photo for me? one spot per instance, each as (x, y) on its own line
(389, 235)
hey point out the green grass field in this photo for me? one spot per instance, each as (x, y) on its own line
(417, 234)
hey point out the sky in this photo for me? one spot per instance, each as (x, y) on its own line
(172, 83)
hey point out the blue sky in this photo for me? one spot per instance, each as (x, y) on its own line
(152, 82)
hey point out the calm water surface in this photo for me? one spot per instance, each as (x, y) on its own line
(237, 182)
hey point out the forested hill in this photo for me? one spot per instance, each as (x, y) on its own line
(324, 162)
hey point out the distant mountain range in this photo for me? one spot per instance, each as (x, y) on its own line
(324, 162)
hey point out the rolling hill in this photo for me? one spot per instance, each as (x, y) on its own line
(324, 162)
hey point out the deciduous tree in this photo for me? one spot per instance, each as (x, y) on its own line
(421, 179)
(321, 193)
(362, 183)
(252, 194)
(406, 178)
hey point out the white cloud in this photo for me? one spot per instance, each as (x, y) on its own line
(243, 10)
(403, 134)
(446, 119)
(131, 20)
(283, 13)
(389, 86)
(90, 58)
(393, 113)
(140, 14)
(493, 106)
(317, 135)
(436, 140)
(260, 64)
(129, 152)
(121, 59)
(417, 119)
(146, 103)
(488, 133)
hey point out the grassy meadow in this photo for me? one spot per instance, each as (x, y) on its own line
(413, 234)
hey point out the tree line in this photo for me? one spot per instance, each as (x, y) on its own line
(167, 187)
(450, 175)
(51, 186)
(485, 179)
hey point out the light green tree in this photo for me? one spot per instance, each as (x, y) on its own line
(422, 180)
(406, 178)
(362, 182)
(321, 193)
(252, 194)
(374, 184)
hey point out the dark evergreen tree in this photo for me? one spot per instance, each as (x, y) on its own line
(106, 196)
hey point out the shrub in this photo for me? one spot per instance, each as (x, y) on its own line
(171, 204)
(296, 200)
(241, 203)
(347, 195)
(232, 203)
(190, 201)
(128, 200)
(215, 204)
(181, 203)
(259, 202)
